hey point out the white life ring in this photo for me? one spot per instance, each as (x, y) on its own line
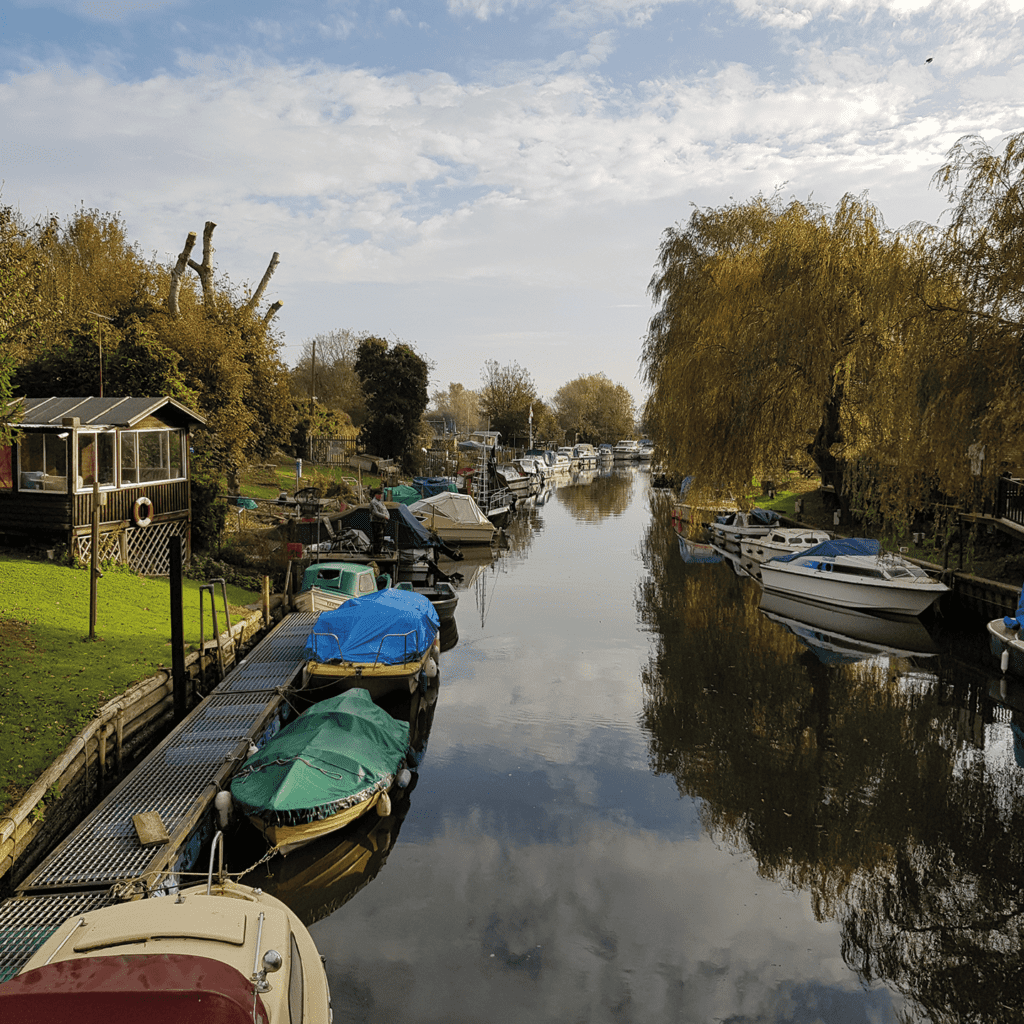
(142, 511)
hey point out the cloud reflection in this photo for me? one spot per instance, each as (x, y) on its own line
(598, 930)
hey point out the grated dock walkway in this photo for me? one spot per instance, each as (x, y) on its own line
(179, 779)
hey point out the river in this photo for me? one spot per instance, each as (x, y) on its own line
(644, 799)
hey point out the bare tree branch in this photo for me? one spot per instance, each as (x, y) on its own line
(268, 274)
(205, 269)
(273, 309)
(179, 269)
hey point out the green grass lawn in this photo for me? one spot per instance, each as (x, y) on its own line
(268, 484)
(53, 678)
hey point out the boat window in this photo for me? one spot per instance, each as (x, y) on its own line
(295, 985)
(366, 583)
(42, 463)
(858, 570)
(95, 459)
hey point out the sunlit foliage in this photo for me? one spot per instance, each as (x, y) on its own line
(593, 409)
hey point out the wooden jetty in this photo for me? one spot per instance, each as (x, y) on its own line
(106, 859)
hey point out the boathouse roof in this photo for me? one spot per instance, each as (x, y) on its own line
(100, 412)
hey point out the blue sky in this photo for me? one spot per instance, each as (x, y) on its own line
(488, 179)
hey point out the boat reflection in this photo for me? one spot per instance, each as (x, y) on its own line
(843, 636)
(695, 552)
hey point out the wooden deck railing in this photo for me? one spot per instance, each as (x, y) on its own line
(1010, 500)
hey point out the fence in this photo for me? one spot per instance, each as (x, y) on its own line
(1010, 500)
(330, 451)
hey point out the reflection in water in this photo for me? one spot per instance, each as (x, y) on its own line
(846, 634)
(600, 494)
(850, 780)
(646, 801)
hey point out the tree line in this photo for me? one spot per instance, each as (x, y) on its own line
(84, 312)
(894, 359)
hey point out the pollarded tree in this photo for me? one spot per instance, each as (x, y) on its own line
(776, 325)
(394, 381)
(594, 409)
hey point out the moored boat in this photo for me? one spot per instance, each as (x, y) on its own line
(455, 518)
(219, 952)
(729, 530)
(332, 764)
(330, 584)
(1006, 639)
(779, 540)
(383, 642)
(626, 450)
(853, 573)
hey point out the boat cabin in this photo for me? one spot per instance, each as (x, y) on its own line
(133, 451)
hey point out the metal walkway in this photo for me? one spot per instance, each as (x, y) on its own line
(179, 779)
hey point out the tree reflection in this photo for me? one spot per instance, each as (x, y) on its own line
(608, 493)
(853, 781)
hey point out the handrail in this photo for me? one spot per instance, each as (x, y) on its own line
(218, 839)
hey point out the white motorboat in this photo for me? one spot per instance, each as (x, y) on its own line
(585, 455)
(570, 456)
(626, 451)
(780, 540)
(853, 573)
(729, 530)
(516, 480)
(605, 454)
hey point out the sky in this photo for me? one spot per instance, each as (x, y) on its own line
(485, 179)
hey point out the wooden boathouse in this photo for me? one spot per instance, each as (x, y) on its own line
(135, 449)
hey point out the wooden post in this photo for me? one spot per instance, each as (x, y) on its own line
(179, 679)
(94, 561)
(266, 600)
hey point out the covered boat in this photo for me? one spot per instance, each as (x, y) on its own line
(852, 572)
(455, 518)
(382, 642)
(333, 763)
(204, 955)
(731, 528)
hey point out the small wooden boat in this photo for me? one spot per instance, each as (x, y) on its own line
(324, 769)
(330, 584)
(1006, 640)
(383, 642)
(441, 594)
(219, 952)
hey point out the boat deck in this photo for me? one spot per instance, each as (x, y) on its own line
(102, 857)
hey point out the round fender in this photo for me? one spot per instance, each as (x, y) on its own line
(384, 805)
(142, 511)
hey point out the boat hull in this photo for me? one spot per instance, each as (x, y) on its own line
(886, 596)
(1007, 642)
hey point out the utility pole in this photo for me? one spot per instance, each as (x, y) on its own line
(312, 379)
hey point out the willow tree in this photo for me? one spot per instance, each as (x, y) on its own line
(983, 248)
(786, 328)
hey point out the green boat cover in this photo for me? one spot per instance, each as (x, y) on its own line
(403, 494)
(334, 755)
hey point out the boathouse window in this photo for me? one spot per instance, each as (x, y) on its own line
(6, 467)
(96, 459)
(42, 462)
(151, 455)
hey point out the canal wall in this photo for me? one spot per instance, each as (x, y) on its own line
(123, 732)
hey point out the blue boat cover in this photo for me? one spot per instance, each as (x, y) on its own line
(428, 486)
(839, 546)
(755, 517)
(1013, 621)
(387, 628)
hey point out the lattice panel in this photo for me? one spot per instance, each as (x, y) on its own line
(110, 547)
(149, 547)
